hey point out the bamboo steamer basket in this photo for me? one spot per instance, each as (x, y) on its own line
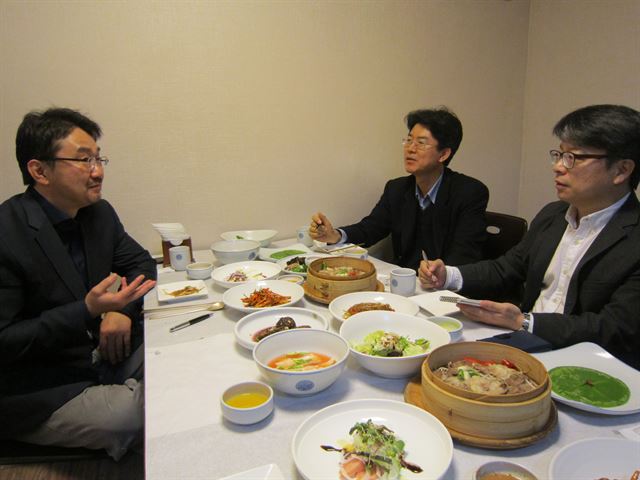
(487, 416)
(526, 363)
(328, 287)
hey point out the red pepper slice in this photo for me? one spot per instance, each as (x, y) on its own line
(509, 364)
(481, 362)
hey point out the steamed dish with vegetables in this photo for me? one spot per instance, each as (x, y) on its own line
(365, 307)
(389, 344)
(341, 271)
(301, 361)
(486, 376)
(373, 453)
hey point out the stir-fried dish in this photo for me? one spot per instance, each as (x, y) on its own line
(374, 453)
(264, 297)
(486, 376)
(365, 307)
(389, 344)
(301, 361)
(297, 265)
(183, 292)
(284, 323)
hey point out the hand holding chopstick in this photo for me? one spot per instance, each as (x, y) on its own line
(431, 274)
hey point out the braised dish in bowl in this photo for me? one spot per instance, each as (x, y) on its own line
(330, 277)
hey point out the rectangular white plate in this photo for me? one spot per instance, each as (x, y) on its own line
(163, 295)
(430, 302)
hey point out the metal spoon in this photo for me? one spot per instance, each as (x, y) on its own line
(202, 308)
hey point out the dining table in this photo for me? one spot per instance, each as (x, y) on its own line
(186, 372)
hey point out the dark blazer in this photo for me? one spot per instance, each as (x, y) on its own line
(45, 350)
(459, 215)
(603, 300)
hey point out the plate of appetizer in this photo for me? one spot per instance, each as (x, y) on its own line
(384, 438)
(587, 377)
(275, 254)
(597, 458)
(254, 296)
(351, 303)
(242, 272)
(258, 325)
(181, 291)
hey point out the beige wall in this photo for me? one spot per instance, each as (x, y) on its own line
(581, 52)
(253, 114)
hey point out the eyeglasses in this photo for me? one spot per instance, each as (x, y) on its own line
(92, 162)
(569, 158)
(420, 143)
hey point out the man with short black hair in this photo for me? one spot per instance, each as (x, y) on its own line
(580, 261)
(70, 343)
(433, 210)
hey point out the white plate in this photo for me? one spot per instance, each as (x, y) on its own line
(596, 458)
(253, 322)
(265, 472)
(233, 296)
(250, 269)
(590, 355)
(427, 442)
(399, 303)
(163, 296)
(265, 253)
(430, 302)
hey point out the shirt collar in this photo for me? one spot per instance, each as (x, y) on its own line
(54, 215)
(431, 194)
(596, 219)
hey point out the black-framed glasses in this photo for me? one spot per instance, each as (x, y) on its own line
(569, 158)
(92, 162)
(420, 143)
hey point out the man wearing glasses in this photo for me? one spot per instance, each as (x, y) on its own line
(580, 260)
(433, 210)
(69, 341)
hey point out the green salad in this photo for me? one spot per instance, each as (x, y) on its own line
(389, 344)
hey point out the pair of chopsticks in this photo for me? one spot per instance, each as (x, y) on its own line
(346, 247)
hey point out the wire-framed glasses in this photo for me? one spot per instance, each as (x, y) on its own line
(569, 158)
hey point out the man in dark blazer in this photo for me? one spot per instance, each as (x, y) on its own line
(433, 210)
(69, 341)
(580, 260)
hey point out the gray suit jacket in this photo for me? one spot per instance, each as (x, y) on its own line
(45, 350)
(603, 300)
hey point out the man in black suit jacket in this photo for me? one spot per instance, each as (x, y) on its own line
(434, 210)
(68, 339)
(580, 260)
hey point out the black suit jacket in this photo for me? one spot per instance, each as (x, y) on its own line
(45, 348)
(459, 215)
(603, 300)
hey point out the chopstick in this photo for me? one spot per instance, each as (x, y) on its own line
(177, 307)
(426, 260)
(346, 247)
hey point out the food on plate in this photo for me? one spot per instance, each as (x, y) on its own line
(301, 361)
(589, 386)
(389, 344)
(486, 376)
(264, 297)
(285, 253)
(373, 453)
(634, 476)
(241, 276)
(184, 291)
(284, 323)
(365, 307)
(297, 265)
(340, 270)
(247, 400)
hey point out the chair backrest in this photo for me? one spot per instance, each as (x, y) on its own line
(504, 231)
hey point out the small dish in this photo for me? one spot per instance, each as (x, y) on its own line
(451, 325)
(500, 470)
(430, 302)
(298, 279)
(164, 291)
(247, 403)
(199, 271)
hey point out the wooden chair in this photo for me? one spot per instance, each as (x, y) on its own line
(504, 231)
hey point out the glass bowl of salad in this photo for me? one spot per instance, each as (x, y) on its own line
(391, 344)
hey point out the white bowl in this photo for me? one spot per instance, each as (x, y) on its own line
(400, 304)
(247, 416)
(362, 324)
(200, 270)
(231, 251)
(506, 468)
(264, 237)
(451, 325)
(233, 297)
(254, 271)
(298, 279)
(302, 340)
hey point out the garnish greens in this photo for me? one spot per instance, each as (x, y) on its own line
(388, 344)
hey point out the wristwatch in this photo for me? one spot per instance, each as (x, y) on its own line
(526, 323)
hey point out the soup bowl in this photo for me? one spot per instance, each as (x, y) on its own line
(264, 237)
(301, 383)
(232, 251)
